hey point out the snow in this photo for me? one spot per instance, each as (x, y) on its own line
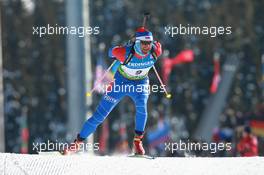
(116, 165)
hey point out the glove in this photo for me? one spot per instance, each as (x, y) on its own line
(156, 48)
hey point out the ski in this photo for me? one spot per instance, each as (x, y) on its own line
(49, 153)
(57, 153)
(141, 156)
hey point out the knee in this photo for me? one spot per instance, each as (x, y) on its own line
(142, 111)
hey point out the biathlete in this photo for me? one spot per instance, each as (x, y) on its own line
(134, 61)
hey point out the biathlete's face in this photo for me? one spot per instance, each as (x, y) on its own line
(145, 46)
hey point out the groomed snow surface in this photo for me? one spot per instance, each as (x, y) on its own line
(118, 165)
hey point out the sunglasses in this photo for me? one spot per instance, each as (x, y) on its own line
(146, 42)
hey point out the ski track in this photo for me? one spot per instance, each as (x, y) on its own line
(117, 165)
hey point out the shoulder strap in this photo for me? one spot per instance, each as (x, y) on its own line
(130, 55)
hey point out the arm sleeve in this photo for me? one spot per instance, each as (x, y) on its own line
(118, 52)
(115, 67)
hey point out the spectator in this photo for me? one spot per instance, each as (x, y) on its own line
(248, 144)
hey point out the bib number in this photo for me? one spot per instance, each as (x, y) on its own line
(138, 72)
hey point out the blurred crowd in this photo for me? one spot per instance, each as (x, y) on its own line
(34, 74)
(35, 70)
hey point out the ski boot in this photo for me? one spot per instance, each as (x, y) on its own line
(138, 146)
(73, 147)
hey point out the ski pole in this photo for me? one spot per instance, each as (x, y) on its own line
(145, 19)
(168, 95)
(88, 94)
